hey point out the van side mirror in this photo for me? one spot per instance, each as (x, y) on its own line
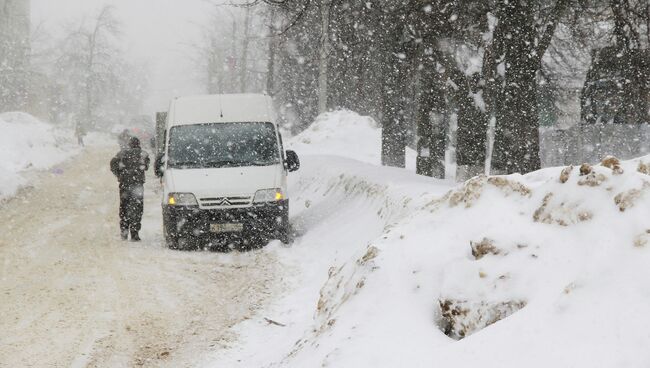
(159, 165)
(293, 162)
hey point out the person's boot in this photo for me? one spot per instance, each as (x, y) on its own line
(134, 236)
(124, 234)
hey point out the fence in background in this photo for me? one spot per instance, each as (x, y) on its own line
(591, 143)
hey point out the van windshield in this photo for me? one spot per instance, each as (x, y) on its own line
(223, 145)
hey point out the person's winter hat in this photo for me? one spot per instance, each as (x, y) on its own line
(134, 142)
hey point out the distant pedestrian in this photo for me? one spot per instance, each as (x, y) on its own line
(123, 139)
(129, 166)
(80, 133)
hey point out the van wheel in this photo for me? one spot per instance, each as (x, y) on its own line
(284, 234)
(170, 238)
(172, 242)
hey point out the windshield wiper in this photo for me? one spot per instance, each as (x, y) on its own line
(187, 164)
(262, 163)
(223, 163)
(233, 163)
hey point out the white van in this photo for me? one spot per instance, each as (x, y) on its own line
(224, 170)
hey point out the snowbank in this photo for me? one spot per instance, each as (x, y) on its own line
(27, 143)
(347, 134)
(567, 263)
(392, 269)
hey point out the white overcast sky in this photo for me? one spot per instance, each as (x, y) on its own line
(157, 32)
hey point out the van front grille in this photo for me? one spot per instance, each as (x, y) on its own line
(226, 201)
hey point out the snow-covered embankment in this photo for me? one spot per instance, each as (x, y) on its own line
(27, 143)
(547, 269)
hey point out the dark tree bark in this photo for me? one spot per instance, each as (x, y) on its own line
(398, 75)
(520, 50)
(272, 44)
(464, 22)
(431, 122)
(393, 136)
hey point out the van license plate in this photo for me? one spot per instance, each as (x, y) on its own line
(226, 228)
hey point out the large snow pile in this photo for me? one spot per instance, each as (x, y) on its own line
(392, 269)
(27, 143)
(530, 270)
(347, 134)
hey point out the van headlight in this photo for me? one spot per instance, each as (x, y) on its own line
(182, 199)
(268, 195)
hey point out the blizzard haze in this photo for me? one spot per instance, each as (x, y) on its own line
(446, 183)
(158, 33)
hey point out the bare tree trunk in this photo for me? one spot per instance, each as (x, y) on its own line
(89, 76)
(399, 52)
(214, 69)
(232, 62)
(323, 60)
(516, 145)
(431, 118)
(270, 67)
(432, 133)
(243, 65)
(394, 124)
(647, 23)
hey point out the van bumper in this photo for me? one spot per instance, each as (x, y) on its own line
(265, 221)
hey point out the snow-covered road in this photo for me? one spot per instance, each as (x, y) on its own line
(74, 295)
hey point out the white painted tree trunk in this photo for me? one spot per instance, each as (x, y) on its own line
(323, 60)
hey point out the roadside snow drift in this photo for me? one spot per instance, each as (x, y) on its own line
(548, 269)
(344, 133)
(27, 143)
(347, 134)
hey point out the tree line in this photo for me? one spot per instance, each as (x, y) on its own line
(418, 66)
(74, 72)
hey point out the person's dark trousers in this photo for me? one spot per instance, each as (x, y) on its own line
(131, 208)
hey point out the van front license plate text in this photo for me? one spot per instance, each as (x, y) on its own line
(226, 228)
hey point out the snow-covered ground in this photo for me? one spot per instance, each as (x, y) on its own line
(391, 269)
(28, 143)
(72, 294)
(388, 268)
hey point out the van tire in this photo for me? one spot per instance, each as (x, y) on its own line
(172, 242)
(284, 234)
(170, 239)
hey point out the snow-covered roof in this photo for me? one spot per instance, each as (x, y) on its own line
(229, 108)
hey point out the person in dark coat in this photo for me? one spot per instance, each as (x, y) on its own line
(129, 166)
(80, 133)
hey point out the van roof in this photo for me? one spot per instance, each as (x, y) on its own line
(228, 108)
